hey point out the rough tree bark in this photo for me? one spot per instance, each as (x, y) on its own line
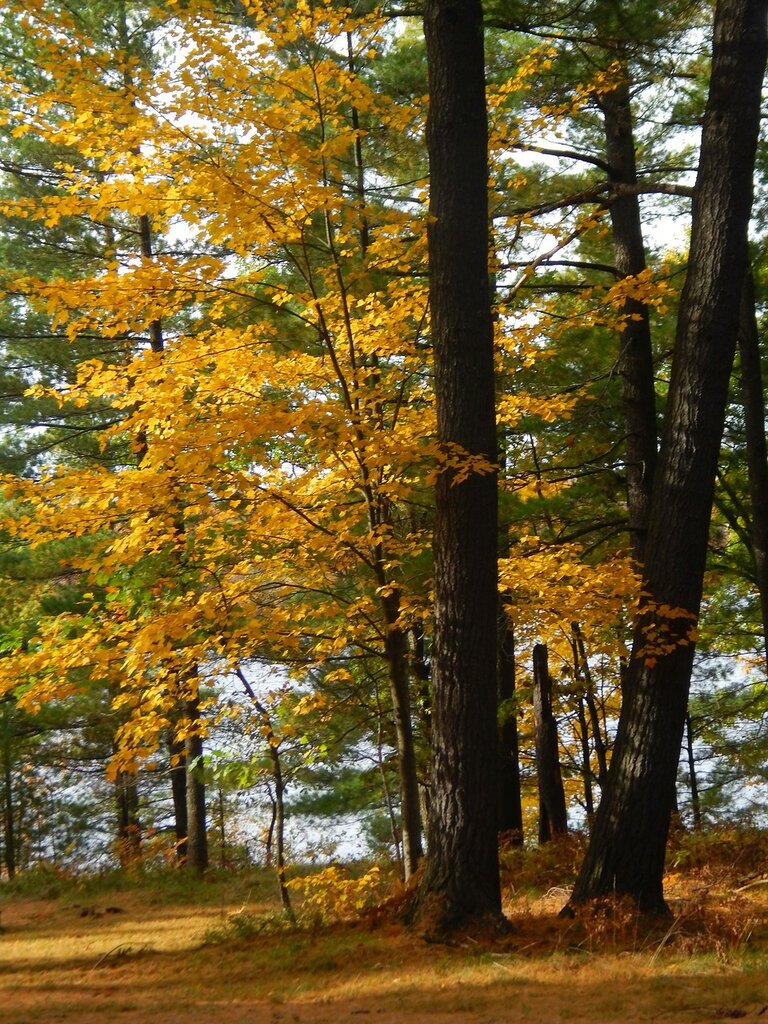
(461, 873)
(626, 851)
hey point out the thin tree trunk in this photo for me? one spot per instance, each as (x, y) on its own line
(553, 815)
(388, 803)
(222, 831)
(8, 822)
(197, 829)
(269, 842)
(128, 825)
(586, 766)
(695, 801)
(753, 400)
(178, 772)
(510, 819)
(581, 664)
(397, 652)
(278, 780)
(627, 847)
(636, 353)
(420, 673)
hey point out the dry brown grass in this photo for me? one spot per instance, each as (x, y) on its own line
(140, 955)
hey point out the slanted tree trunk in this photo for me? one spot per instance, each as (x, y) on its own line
(753, 401)
(553, 815)
(461, 873)
(636, 353)
(627, 847)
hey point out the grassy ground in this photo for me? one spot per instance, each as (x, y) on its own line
(169, 949)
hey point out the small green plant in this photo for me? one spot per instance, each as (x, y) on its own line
(237, 927)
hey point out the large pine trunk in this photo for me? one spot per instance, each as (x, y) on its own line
(461, 875)
(626, 851)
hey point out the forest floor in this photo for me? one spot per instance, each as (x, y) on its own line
(147, 950)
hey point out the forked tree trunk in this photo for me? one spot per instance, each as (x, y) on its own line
(627, 847)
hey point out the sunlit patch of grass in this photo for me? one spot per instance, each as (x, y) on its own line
(75, 956)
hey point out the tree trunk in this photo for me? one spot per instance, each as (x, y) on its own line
(753, 400)
(397, 651)
(586, 767)
(510, 799)
(636, 354)
(277, 827)
(553, 815)
(223, 863)
(269, 840)
(582, 671)
(9, 837)
(179, 793)
(461, 874)
(394, 826)
(695, 801)
(197, 832)
(626, 851)
(128, 825)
